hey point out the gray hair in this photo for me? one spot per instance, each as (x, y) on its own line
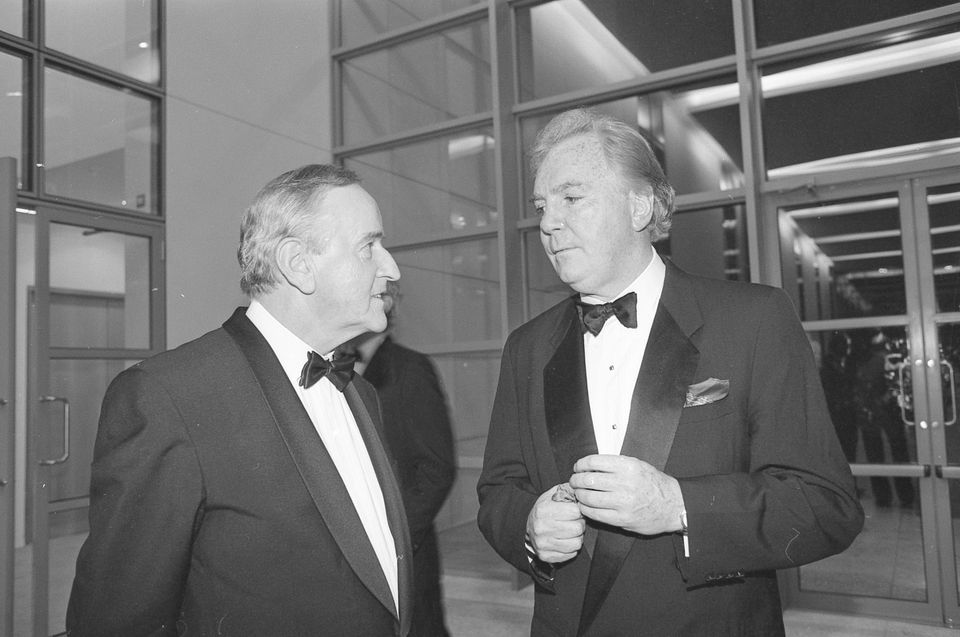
(284, 208)
(625, 149)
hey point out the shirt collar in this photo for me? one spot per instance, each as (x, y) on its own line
(289, 348)
(647, 285)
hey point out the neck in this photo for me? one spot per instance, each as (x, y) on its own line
(295, 315)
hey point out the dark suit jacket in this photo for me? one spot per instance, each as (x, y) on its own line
(764, 483)
(216, 510)
(418, 435)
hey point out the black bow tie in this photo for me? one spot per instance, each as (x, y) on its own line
(594, 316)
(339, 370)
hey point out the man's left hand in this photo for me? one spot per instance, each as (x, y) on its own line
(628, 493)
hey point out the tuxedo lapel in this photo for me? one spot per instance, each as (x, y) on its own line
(316, 467)
(669, 364)
(567, 408)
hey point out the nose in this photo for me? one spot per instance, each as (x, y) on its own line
(387, 266)
(550, 220)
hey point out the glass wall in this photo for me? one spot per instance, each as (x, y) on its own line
(438, 103)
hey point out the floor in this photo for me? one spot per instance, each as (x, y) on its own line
(482, 598)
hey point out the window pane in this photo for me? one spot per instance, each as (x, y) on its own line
(434, 188)
(695, 133)
(711, 242)
(12, 96)
(363, 20)
(571, 45)
(844, 258)
(451, 293)
(544, 287)
(777, 21)
(99, 288)
(11, 17)
(470, 382)
(864, 109)
(430, 80)
(100, 144)
(120, 35)
(944, 205)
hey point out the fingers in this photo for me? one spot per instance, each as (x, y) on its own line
(555, 528)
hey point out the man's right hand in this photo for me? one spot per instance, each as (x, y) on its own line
(554, 529)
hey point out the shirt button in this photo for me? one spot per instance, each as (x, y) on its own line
(614, 426)
(611, 368)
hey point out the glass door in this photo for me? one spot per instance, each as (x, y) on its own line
(873, 271)
(8, 211)
(88, 292)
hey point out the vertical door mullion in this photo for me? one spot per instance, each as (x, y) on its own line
(8, 309)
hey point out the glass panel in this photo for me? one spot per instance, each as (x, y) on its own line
(430, 80)
(944, 205)
(100, 144)
(362, 20)
(695, 133)
(844, 258)
(12, 83)
(120, 35)
(451, 293)
(862, 110)
(778, 21)
(710, 242)
(433, 189)
(572, 45)
(470, 381)
(99, 288)
(11, 17)
(867, 385)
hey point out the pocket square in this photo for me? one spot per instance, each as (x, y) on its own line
(706, 392)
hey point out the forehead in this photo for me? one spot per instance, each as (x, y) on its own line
(350, 209)
(579, 158)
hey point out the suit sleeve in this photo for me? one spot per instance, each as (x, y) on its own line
(505, 489)
(145, 502)
(797, 503)
(427, 423)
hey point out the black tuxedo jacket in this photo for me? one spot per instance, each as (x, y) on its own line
(216, 509)
(419, 437)
(763, 480)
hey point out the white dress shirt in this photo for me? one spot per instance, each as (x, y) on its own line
(337, 427)
(613, 358)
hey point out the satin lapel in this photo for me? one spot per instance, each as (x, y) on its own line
(566, 405)
(669, 364)
(316, 467)
(366, 413)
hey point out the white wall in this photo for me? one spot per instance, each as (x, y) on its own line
(248, 97)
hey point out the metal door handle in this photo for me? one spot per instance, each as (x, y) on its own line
(66, 429)
(953, 394)
(903, 395)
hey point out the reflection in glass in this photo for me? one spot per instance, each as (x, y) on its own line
(11, 108)
(944, 206)
(710, 242)
(99, 288)
(451, 293)
(949, 339)
(844, 258)
(571, 45)
(863, 110)
(435, 188)
(120, 35)
(100, 144)
(695, 136)
(11, 17)
(544, 288)
(436, 78)
(778, 21)
(867, 385)
(362, 20)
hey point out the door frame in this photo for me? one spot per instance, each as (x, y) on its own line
(8, 341)
(42, 420)
(914, 226)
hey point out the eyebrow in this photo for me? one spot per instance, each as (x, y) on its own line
(558, 188)
(371, 236)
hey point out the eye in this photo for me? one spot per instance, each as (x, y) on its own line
(571, 199)
(538, 208)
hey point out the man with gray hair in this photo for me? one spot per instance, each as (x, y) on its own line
(240, 484)
(659, 443)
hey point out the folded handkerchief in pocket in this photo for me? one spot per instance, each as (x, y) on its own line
(706, 392)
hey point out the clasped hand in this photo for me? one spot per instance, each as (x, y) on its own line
(620, 491)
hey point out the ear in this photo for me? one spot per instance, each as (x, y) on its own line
(293, 261)
(641, 210)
